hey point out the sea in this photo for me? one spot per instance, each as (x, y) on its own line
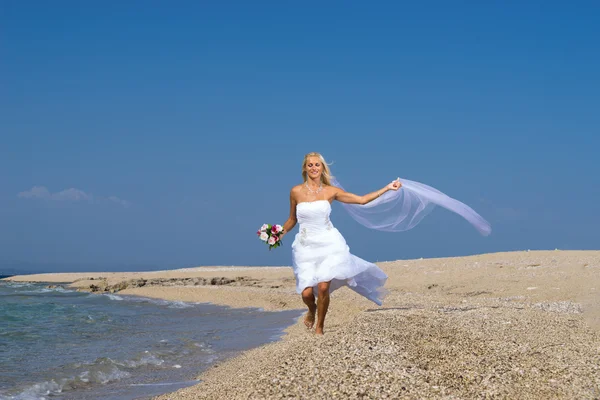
(57, 343)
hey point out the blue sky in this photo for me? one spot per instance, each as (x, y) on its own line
(163, 134)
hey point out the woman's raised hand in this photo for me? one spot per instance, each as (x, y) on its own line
(395, 185)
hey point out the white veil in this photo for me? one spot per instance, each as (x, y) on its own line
(401, 210)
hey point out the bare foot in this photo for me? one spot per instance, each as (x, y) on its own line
(319, 331)
(309, 319)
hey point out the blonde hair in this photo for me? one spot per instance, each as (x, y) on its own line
(326, 176)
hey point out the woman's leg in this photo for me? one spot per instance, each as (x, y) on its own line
(309, 299)
(322, 305)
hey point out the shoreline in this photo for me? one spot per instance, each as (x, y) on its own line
(167, 343)
(511, 324)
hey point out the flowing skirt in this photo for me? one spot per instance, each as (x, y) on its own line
(323, 256)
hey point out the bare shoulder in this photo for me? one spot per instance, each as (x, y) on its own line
(332, 191)
(295, 191)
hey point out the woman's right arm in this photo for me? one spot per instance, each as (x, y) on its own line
(291, 221)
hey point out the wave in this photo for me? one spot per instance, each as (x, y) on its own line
(167, 303)
(160, 302)
(58, 289)
(113, 297)
(11, 284)
(99, 372)
(182, 383)
(54, 387)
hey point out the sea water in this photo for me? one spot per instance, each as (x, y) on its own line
(60, 343)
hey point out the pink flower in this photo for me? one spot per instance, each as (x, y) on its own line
(271, 234)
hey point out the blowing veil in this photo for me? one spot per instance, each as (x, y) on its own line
(403, 209)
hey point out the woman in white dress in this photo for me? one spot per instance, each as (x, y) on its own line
(321, 259)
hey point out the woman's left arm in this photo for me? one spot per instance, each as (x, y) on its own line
(351, 198)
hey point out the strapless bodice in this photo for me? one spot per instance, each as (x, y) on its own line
(314, 215)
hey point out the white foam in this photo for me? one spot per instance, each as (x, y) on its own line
(113, 375)
(19, 284)
(147, 359)
(179, 304)
(160, 302)
(62, 289)
(52, 388)
(165, 383)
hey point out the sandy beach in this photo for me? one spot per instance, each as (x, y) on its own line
(513, 325)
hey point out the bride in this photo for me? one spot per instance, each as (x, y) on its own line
(321, 259)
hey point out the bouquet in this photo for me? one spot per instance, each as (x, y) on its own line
(271, 234)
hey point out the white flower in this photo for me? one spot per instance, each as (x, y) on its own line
(279, 228)
(264, 236)
(264, 228)
(272, 240)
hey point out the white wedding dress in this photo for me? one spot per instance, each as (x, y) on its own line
(320, 254)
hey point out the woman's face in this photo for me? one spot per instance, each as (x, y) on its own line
(314, 167)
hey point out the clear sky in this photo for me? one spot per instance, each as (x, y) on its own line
(165, 133)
